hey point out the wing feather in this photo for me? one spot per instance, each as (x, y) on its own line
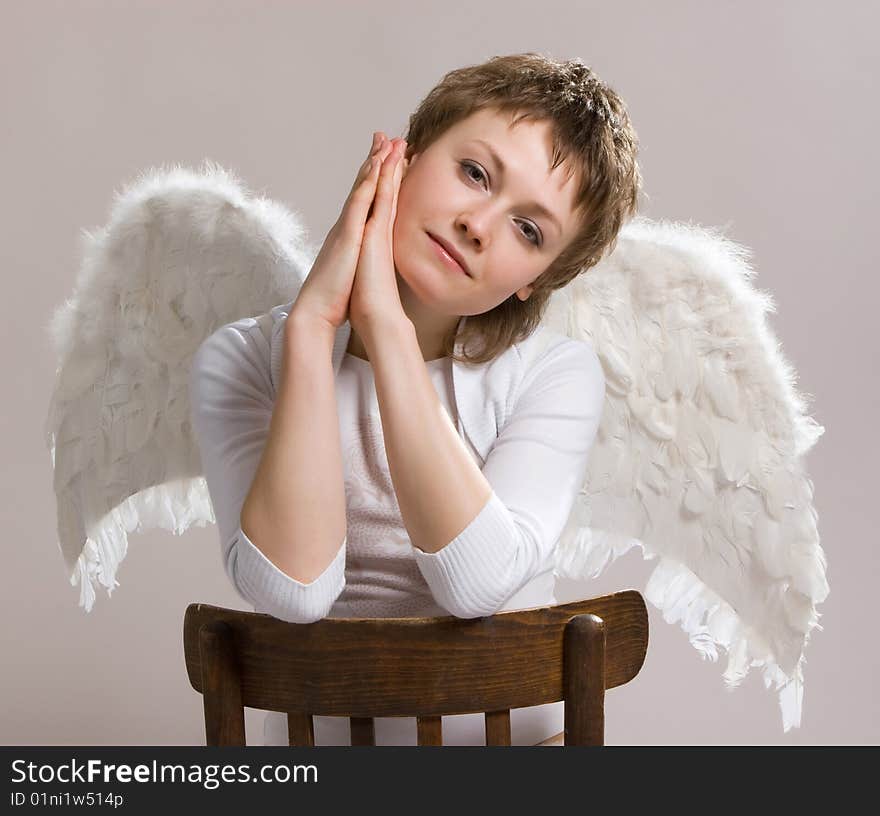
(698, 457)
(183, 253)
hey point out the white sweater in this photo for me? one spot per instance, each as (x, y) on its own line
(528, 418)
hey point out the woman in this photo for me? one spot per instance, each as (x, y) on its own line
(362, 459)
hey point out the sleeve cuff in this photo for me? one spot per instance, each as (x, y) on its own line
(276, 593)
(472, 575)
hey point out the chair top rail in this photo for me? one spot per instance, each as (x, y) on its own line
(385, 667)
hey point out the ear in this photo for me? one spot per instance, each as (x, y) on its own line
(406, 165)
(524, 293)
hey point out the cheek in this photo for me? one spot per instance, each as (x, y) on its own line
(415, 198)
(405, 208)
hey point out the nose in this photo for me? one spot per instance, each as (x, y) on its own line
(474, 227)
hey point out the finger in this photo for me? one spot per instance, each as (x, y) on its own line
(398, 178)
(363, 174)
(371, 189)
(371, 169)
(368, 175)
(362, 192)
(364, 170)
(385, 185)
(382, 151)
(359, 204)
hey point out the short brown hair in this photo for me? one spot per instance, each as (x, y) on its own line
(590, 126)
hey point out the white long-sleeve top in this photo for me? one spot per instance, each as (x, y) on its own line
(540, 402)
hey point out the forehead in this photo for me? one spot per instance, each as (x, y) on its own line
(499, 123)
(528, 138)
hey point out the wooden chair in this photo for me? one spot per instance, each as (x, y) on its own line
(363, 668)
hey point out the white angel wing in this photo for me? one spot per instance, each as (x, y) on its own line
(698, 456)
(183, 254)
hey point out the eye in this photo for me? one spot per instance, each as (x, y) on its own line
(535, 232)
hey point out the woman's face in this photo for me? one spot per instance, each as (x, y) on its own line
(456, 191)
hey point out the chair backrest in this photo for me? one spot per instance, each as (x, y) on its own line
(363, 668)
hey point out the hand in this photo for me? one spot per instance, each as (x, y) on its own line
(324, 295)
(374, 295)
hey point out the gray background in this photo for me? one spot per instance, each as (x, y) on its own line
(755, 117)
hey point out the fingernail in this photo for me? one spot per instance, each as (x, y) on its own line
(375, 146)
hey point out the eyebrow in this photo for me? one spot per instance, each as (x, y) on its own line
(502, 168)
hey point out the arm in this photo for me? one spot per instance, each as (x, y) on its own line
(479, 536)
(245, 442)
(439, 486)
(295, 509)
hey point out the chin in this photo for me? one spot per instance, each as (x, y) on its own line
(418, 284)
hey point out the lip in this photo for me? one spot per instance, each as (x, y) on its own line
(449, 254)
